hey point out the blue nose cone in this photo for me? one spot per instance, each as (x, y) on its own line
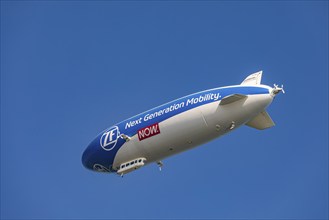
(95, 158)
(87, 158)
(100, 153)
(90, 156)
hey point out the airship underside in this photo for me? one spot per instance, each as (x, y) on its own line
(180, 125)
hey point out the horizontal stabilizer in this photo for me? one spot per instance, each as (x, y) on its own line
(253, 79)
(261, 121)
(232, 98)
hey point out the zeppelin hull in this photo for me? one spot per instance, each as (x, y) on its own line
(192, 128)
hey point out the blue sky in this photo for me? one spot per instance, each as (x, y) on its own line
(71, 69)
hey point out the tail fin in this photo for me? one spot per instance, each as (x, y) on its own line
(261, 121)
(253, 79)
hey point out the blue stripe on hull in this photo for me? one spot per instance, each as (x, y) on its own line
(145, 121)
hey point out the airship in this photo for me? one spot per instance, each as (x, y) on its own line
(180, 125)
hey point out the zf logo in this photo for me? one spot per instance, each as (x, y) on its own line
(110, 138)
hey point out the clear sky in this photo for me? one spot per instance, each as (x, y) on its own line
(71, 69)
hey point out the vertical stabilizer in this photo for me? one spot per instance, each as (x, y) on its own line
(253, 79)
(261, 121)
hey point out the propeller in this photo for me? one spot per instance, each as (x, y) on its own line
(277, 89)
(282, 89)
